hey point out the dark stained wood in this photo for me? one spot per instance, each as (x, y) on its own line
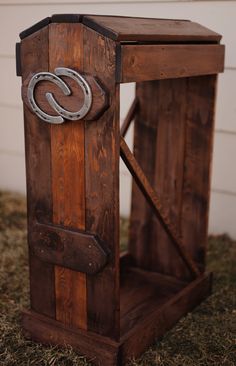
(169, 170)
(149, 29)
(129, 118)
(199, 136)
(142, 292)
(35, 28)
(70, 249)
(126, 260)
(102, 187)
(34, 57)
(159, 321)
(154, 201)
(168, 136)
(187, 61)
(134, 341)
(18, 59)
(68, 186)
(83, 292)
(73, 102)
(66, 18)
(101, 350)
(142, 218)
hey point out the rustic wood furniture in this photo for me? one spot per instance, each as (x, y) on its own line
(83, 292)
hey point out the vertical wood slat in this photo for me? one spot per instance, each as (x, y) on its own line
(68, 177)
(145, 136)
(102, 187)
(34, 58)
(198, 157)
(169, 170)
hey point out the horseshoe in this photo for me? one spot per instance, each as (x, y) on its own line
(55, 78)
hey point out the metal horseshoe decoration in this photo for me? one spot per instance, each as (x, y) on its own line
(55, 78)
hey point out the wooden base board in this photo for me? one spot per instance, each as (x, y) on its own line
(137, 332)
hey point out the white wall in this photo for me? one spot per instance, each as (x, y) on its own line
(16, 15)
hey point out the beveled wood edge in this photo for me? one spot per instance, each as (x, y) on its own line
(87, 245)
(88, 20)
(79, 18)
(105, 351)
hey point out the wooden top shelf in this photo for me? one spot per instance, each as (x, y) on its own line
(131, 29)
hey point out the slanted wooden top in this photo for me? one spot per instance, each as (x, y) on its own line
(130, 29)
(148, 29)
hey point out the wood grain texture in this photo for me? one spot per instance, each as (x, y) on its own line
(169, 61)
(75, 250)
(101, 350)
(149, 29)
(74, 101)
(149, 326)
(200, 114)
(129, 118)
(67, 144)
(173, 145)
(155, 203)
(34, 58)
(102, 187)
(158, 322)
(145, 137)
(169, 170)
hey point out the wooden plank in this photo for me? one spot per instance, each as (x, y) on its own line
(75, 250)
(102, 187)
(142, 218)
(129, 118)
(155, 202)
(169, 61)
(66, 49)
(200, 113)
(149, 29)
(169, 170)
(142, 292)
(99, 349)
(102, 350)
(158, 322)
(34, 58)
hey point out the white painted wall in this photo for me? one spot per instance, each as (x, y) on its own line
(16, 15)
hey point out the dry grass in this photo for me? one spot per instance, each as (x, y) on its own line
(205, 337)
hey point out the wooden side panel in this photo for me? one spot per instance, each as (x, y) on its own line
(66, 49)
(156, 251)
(102, 187)
(169, 61)
(34, 58)
(199, 135)
(178, 166)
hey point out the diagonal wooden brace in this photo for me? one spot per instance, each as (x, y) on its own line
(154, 201)
(130, 116)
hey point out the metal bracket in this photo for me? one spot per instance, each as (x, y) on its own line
(62, 113)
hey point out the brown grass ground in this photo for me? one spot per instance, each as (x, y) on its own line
(205, 337)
